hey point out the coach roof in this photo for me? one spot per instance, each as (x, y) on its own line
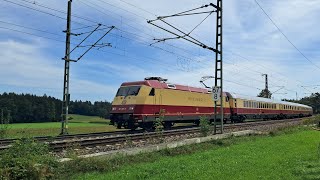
(260, 99)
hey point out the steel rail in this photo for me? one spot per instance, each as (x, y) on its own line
(95, 139)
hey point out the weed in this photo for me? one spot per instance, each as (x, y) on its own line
(27, 159)
(72, 150)
(4, 126)
(204, 126)
(159, 124)
(129, 141)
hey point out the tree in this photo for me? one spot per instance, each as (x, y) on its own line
(265, 93)
(31, 108)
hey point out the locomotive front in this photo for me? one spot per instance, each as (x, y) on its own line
(129, 104)
(123, 107)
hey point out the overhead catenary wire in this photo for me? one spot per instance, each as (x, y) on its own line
(165, 65)
(42, 36)
(153, 14)
(56, 10)
(285, 36)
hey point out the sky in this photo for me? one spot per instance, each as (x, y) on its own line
(32, 44)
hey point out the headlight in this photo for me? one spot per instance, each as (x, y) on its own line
(114, 108)
(131, 108)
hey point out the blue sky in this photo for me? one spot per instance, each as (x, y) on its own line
(252, 46)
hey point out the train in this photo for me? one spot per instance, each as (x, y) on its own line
(141, 103)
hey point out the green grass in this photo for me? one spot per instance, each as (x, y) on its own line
(294, 154)
(78, 124)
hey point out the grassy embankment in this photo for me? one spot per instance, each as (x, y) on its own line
(292, 154)
(78, 124)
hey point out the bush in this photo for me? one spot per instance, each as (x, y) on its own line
(27, 159)
(312, 120)
(204, 126)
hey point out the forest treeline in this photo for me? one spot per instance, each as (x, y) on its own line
(313, 100)
(25, 108)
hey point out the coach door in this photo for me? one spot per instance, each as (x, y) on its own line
(156, 106)
(233, 106)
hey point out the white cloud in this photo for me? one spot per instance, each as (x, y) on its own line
(247, 31)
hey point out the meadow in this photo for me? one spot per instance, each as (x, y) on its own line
(77, 124)
(294, 154)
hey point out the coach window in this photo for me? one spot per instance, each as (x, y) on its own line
(151, 92)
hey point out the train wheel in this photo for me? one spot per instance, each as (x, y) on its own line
(133, 128)
(167, 125)
(119, 125)
(225, 120)
(149, 126)
(197, 123)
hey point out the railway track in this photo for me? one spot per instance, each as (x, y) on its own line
(110, 138)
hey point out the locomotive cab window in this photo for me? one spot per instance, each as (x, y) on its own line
(133, 90)
(128, 91)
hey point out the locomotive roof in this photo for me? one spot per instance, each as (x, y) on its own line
(163, 85)
(260, 99)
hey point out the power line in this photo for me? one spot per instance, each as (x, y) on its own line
(44, 12)
(56, 10)
(163, 64)
(31, 34)
(96, 22)
(286, 36)
(153, 14)
(13, 24)
(142, 36)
